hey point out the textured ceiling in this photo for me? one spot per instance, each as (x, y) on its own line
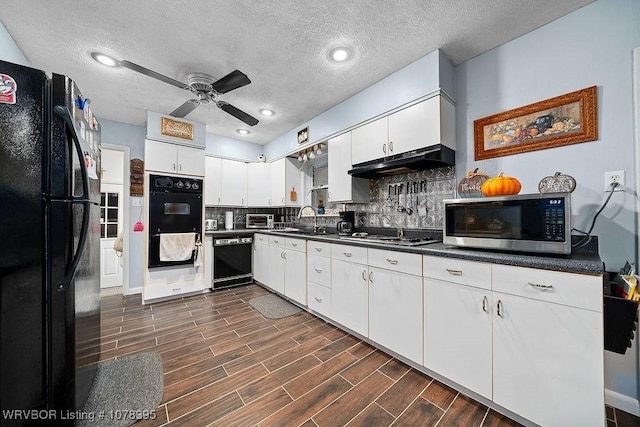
(281, 45)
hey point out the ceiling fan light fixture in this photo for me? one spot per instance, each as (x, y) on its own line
(267, 112)
(104, 59)
(243, 131)
(340, 54)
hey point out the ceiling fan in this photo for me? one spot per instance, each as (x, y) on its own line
(205, 88)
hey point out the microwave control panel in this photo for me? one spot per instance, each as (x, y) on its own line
(554, 214)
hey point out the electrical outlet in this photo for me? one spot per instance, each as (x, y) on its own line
(611, 177)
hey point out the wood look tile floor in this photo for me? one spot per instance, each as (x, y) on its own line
(226, 365)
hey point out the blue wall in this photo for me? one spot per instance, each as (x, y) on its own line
(592, 46)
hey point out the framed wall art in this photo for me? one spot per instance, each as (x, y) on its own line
(176, 128)
(563, 120)
(303, 135)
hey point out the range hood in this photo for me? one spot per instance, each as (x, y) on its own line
(431, 157)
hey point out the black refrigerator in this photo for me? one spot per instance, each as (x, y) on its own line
(49, 243)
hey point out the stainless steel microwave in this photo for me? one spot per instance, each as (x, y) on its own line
(259, 221)
(525, 223)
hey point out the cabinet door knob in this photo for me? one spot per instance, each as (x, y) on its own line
(392, 261)
(454, 272)
(347, 254)
(364, 275)
(390, 146)
(179, 166)
(318, 270)
(371, 276)
(173, 166)
(540, 286)
(484, 304)
(318, 299)
(318, 249)
(294, 244)
(499, 308)
(384, 148)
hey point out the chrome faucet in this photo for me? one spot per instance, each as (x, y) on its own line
(315, 217)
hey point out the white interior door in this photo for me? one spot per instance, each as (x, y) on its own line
(110, 227)
(111, 219)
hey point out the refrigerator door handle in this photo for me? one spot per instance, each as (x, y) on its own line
(64, 113)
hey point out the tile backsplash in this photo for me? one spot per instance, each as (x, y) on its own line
(412, 200)
(426, 191)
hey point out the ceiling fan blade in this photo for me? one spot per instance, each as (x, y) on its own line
(231, 81)
(147, 72)
(238, 114)
(185, 108)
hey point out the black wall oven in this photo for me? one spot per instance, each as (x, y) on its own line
(175, 206)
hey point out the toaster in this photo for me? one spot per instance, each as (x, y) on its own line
(210, 224)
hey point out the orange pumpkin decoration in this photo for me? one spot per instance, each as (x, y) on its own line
(501, 186)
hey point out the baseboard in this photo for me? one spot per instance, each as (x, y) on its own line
(133, 291)
(622, 402)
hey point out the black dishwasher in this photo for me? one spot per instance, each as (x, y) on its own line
(232, 261)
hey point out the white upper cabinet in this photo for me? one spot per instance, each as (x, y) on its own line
(285, 178)
(370, 141)
(213, 181)
(342, 186)
(259, 184)
(173, 158)
(421, 125)
(233, 182)
(236, 183)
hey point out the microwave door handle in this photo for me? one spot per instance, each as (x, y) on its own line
(64, 113)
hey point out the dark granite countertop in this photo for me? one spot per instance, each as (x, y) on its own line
(581, 261)
(236, 231)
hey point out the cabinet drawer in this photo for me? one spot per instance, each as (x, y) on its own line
(319, 299)
(396, 261)
(261, 238)
(319, 248)
(470, 273)
(295, 244)
(155, 291)
(355, 254)
(319, 269)
(575, 290)
(276, 241)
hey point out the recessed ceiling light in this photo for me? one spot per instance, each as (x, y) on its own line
(104, 59)
(243, 131)
(340, 54)
(266, 112)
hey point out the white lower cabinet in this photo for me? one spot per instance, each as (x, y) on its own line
(395, 312)
(350, 295)
(276, 264)
(457, 334)
(457, 321)
(555, 349)
(295, 270)
(530, 340)
(319, 277)
(261, 258)
(280, 264)
(320, 299)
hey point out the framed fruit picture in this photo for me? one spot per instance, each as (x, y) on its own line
(567, 119)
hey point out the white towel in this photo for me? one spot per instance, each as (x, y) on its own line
(176, 246)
